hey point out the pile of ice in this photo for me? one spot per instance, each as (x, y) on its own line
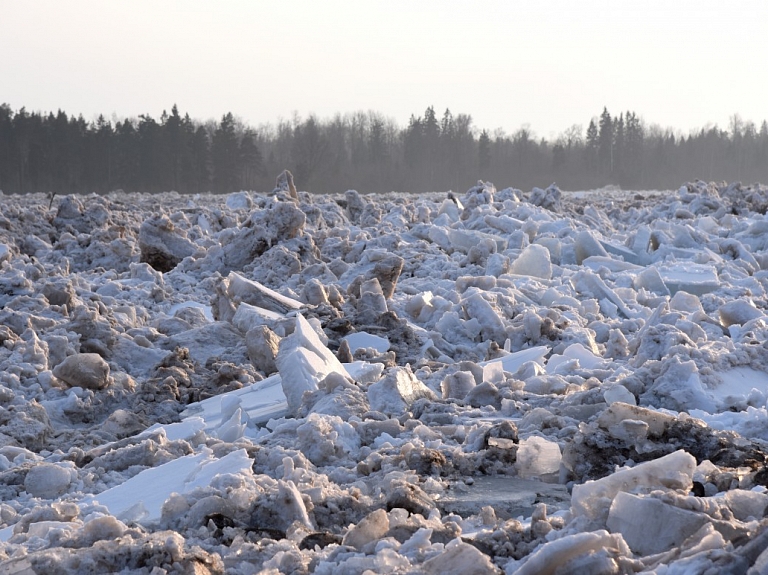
(494, 383)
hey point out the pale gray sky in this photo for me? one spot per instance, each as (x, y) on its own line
(548, 64)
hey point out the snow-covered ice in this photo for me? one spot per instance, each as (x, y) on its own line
(494, 382)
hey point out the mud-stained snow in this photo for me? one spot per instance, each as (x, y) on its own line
(493, 382)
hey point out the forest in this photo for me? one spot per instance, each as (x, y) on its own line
(60, 153)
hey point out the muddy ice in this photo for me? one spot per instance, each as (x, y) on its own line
(488, 382)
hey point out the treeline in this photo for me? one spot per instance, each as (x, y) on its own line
(54, 152)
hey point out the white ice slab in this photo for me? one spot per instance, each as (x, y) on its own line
(303, 361)
(249, 316)
(141, 498)
(185, 430)
(512, 362)
(242, 289)
(586, 359)
(739, 381)
(364, 340)
(262, 401)
(693, 278)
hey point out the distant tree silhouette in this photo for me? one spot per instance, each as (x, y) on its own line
(225, 156)
(58, 153)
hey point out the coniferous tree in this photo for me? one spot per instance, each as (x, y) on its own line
(605, 139)
(593, 148)
(225, 156)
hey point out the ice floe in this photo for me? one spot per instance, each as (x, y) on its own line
(493, 382)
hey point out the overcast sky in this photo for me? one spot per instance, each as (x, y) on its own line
(546, 64)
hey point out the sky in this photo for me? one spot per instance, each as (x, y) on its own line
(543, 65)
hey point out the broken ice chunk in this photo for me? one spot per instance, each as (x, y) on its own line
(397, 391)
(619, 393)
(163, 245)
(538, 457)
(250, 316)
(533, 261)
(556, 556)
(696, 279)
(512, 362)
(678, 386)
(626, 254)
(240, 289)
(261, 402)
(365, 340)
(636, 517)
(141, 497)
(738, 312)
(371, 528)
(457, 385)
(651, 280)
(585, 245)
(477, 307)
(303, 361)
(593, 498)
(685, 302)
(459, 558)
(586, 359)
(589, 282)
(232, 429)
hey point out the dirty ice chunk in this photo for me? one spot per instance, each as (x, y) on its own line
(457, 385)
(636, 517)
(303, 361)
(533, 261)
(365, 340)
(674, 471)
(86, 370)
(656, 421)
(141, 498)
